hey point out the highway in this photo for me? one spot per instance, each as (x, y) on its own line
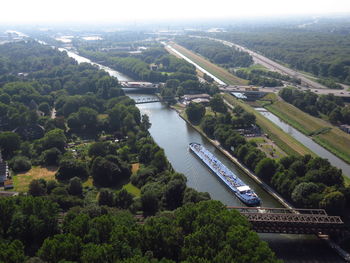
(272, 65)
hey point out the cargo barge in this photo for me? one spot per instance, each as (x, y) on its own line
(236, 185)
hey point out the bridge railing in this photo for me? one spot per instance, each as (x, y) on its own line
(278, 210)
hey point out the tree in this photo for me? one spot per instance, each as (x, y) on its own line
(195, 112)
(70, 168)
(98, 149)
(160, 160)
(123, 199)
(145, 123)
(335, 116)
(265, 169)
(54, 138)
(193, 196)
(150, 203)
(34, 219)
(51, 156)
(75, 186)
(106, 197)
(12, 252)
(106, 173)
(37, 188)
(172, 83)
(174, 192)
(45, 108)
(87, 118)
(94, 253)
(334, 203)
(73, 122)
(217, 104)
(249, 118)
(180, 92)
(9, 143)
(208, 125)
(61, 247)
(163, 237)
(304, 193)
(20, 164)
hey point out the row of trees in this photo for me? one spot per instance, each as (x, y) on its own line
(305, 181)
(257, 79)
(331, 106)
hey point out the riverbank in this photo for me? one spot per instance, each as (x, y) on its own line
(283, 140)
(267, 188)
(216, 144)
(323, 133)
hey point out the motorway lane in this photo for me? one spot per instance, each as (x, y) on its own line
(272, 65)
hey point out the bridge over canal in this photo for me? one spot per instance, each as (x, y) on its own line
(292, 221)
(146, 100)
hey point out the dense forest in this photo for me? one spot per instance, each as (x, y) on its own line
(324, 53)
(307, 182)
(57, 113)
(333, 107)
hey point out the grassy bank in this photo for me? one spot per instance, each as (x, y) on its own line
(330, 137)
(217, 71)
(283, 140)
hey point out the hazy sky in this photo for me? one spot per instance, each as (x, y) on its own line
(133, 10)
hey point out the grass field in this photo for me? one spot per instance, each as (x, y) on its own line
(135, 167)
(89, 182)
(268, 147)
(325, 134)
(217, 71)
(132, 189)
(283, 140)
(21, 181)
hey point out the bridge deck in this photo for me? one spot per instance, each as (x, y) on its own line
(293, 221)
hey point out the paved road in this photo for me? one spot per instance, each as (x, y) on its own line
(272, 65)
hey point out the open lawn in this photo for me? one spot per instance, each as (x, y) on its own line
(283, 140)
(132, 189)
(135, 167)
(268, 147)
(217, 71)
(21, 181)
(89, 182)
(322, 132)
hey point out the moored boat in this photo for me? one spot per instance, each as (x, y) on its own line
(236, 185)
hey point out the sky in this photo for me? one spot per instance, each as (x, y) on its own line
(26, 11)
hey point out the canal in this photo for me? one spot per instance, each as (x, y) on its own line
(173, 134)
(307, 141)
(80, 59)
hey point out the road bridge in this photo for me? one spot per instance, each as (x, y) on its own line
(292, 221)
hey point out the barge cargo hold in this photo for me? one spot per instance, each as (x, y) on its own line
(239, 188)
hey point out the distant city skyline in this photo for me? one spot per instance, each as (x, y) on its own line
(26, 11)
